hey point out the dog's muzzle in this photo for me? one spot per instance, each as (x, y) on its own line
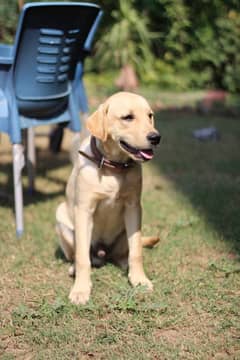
(138, 154)
(154, 138)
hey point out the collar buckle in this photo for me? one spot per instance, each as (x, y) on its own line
(101, 164)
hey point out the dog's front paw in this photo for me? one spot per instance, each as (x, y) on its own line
(136, 280)
(80, 295)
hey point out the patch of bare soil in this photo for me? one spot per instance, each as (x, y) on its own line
(200, 333)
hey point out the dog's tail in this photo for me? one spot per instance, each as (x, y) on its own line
(150, 241)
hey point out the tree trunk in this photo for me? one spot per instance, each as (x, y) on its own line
(127, 79)
(20, 4)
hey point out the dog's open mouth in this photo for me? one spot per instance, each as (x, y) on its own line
(140, 154)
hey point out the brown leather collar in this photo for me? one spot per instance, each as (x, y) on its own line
(99, 159)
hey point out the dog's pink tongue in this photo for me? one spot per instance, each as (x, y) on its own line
(147, 154)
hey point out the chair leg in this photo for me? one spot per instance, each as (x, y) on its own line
(18, 164)
(31, 159)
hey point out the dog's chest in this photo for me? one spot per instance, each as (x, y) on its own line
(114, 192)
(108, 216)
(115, 189)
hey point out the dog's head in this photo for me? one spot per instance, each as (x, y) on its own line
(128, 120)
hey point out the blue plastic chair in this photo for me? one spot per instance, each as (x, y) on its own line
(37, 76)
(78, 89)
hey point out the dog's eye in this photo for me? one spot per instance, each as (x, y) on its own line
(150, 115)
(128, 117)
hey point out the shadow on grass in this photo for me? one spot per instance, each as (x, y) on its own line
(46, 161)
(59, 255)
(207, 173)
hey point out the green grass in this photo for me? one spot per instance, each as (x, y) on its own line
(191, 198)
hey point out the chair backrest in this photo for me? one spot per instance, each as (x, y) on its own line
(49, 41)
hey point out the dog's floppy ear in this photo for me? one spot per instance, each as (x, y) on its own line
(97, 123)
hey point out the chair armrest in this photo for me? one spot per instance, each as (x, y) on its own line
(3, 105)
(6, 54)
(6, 61)
(88, 42)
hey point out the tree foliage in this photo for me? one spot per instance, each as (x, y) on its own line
(128, 40)
(8, 20)
(198, 43)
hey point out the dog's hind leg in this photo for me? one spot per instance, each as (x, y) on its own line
(149, 241)
(66, 240)
(119, 253)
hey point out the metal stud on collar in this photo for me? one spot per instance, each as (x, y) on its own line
(101, 163)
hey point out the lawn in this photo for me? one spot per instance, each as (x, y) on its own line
(191, 198)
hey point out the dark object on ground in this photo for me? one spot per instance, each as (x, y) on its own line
(210, 133)
(55, 138)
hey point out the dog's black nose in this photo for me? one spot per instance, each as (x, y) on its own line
(154, 138)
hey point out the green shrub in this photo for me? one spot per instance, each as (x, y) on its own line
(127, 41)
(8, 20)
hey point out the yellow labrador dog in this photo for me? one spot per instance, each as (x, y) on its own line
(100, 220)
